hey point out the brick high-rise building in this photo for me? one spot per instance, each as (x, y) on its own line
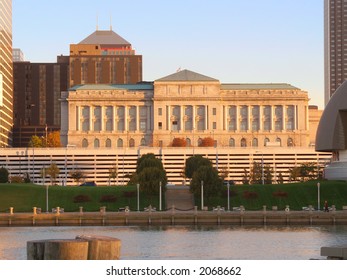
(104, 57)
(335, 45)
(6, 81)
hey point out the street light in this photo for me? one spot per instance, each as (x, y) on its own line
(202, 195)
(228, 186)
(160, 196)
(138, 197)
(44, 184)
(318, 188)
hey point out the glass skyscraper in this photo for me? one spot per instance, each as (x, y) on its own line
(6, 73)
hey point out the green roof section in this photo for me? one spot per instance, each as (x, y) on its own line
(186, 76)
(265, 86)
(140, 86)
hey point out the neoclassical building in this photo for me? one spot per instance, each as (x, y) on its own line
(186, 105)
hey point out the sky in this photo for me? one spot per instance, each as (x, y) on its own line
(234, 41)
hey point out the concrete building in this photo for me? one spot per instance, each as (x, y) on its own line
(185, 105)
(104, 57)
(96, 163)
(18, 55)
(37, 88)
(335, 45)
(6, 72)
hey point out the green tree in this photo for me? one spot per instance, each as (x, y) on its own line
(280, 178)
(3, 175)
(211, 181)
(150, 172)
(245, 178)
(308, 171)
(268, 174)
(256, 173)
(35, 141)
(193, 163)
(294, 173)
(53, 171)
(77, 175)
(113, 173)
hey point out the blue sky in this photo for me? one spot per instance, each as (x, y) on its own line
(235, 41)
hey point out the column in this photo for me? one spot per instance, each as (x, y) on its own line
(78, 118)
(181, 118)
(91, 118)
(125, 118)
(206, 118)
(168, 117)
(102, 118)
(261, 121)
(137, 118)
(114, 111)
(193, 117)
(148, 119)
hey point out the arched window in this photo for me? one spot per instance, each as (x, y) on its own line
(96, 143)
(231, 142)
(243, 142)
(290, 142)
(199, 142)
(108, 143)
(143, 142)
(188, 142)
(119, 143)
(131, 142)
(255, 142)
(84, 143)
(278, 140)
(266, 140)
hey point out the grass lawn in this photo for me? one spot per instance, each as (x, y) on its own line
(25, 196)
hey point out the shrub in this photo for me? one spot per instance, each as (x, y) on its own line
(250, 195)
(129, 194)
(280, 194)
(232, 193)
(3, 175)
(81, 198)
(108, 198)
(16, 179)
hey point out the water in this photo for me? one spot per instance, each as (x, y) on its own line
(187, 242)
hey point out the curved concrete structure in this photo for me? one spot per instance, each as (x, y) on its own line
(332, 134)
(332, 129)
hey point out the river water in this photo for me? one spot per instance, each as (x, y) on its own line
(190, 242)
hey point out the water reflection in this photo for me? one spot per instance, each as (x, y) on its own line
(191, 242)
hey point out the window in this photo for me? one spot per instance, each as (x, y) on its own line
(266, 140)
(85, 143)
(244, 118)
(214, 111)
(160, 125)
(214, 125)
(131, 142)
(290, 142)
(160, 111)
(255, 142)
(188, 142)
(119, 143)
(231, 142)
(243, 142)
(143, 142)
(96, 143)
(143, 125)
(108, 143)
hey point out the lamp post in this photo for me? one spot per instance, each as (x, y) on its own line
(318, 189)
(160, 196)
(202, 195)
(46, 186)
(138, 197)
(228, 186)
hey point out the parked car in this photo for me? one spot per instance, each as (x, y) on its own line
(88, 184)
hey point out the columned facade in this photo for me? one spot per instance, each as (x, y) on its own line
(186, 105)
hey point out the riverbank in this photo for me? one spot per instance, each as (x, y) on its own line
(175, 217)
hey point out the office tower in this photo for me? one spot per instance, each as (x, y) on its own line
(104, 57)
(36, 105)
(17, 55)
(335, 45)
(6, 73)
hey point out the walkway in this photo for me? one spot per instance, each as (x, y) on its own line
(180, 197)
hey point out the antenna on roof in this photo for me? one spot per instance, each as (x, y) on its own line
(97, 22)
(110, 22)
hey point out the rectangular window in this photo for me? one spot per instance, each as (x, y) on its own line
(160, 125)
(160, 111)
(214, 111)
(214, 125)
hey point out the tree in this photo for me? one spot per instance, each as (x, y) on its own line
(308, 171)
(245, 178)
(35, 141)
(179, 142)
(268, 175)
(207, 142)
(150, 172)
(113, 172)
(77, 175)
(53, 139)
(256, 173)
(52, 171)
(294, 173)
(193, 163)
(280, 178)
(211, 182)
(3, 175)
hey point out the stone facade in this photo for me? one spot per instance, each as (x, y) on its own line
(185, 105)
